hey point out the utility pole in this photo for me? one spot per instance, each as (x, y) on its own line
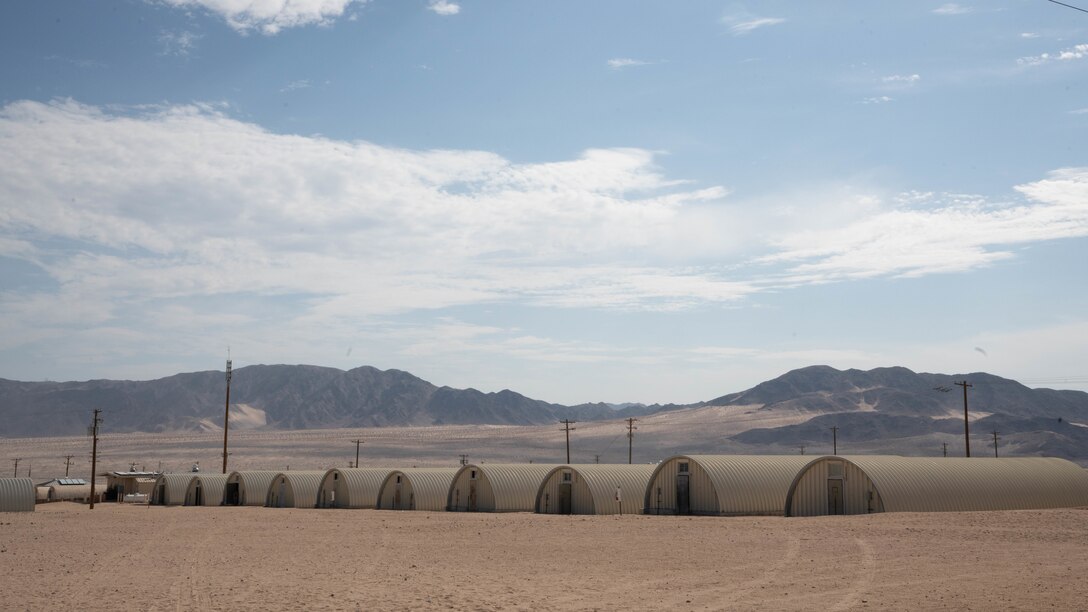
(67, 463)
(95, 422)
(16, 474)
(226, 415)
(596, 458)
(835, 440)
(966, 429)
(995, 444)
(357, 443)
(464, 459)
(802, 449)
(630, 436)
(567, 428)
(944, 448)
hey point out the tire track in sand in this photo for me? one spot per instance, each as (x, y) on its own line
(866, 570)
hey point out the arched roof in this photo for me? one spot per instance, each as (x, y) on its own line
(514, 485)
(255, 483)
(745, 484)
(212, 484)
(17, 495)
(430, 486)
(941, 484)
(304, 486)
(602, 480)
(362, 485)
(176, 486)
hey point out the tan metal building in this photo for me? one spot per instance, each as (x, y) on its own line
(295, 489)
(724, 485)
(497, 487)
(120, 484)
(169, 489)
(206, 490)
(351, 487)
(17, 495)
(416, 489)
(249, 488)
(862, 484)
(594, 489)
(69, 489)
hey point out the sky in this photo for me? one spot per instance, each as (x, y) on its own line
(579, 201)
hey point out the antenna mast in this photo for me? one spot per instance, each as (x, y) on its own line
(226, 415)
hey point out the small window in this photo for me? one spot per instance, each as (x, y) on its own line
(566, 476)
(398, 479)
(472, 475)
(336, 476)
(834, 469)
(683, 467)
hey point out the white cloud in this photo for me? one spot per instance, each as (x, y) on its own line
(877, 100)
(270, 16)
(953, 9)
(901, 79)
(296, 85)
(739, 25)
(1075, 52)
(178, 43)
(444, 7)
(1079, 111)
(619, 63)
(1029, 35)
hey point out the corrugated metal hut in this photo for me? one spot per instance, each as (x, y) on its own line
(295, 489)
(416, 489)
(169, 489)
(70, 489)
(496, 487)
(248, 488)
(17, 495)
(351, 487)
(594, 489)
(206, 490)
(724, 485)
(862, 484)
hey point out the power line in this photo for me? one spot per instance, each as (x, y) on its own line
(1075, 8)
(567, 428)
(630, 436)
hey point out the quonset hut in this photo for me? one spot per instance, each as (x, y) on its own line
(247, 488)
(862, 484)
(351, 487)
(496, 487)
(206, 490)
(723, 485)
(169, 489)
(17, 495)
(416, 489)
(594, 489)
(295, 489)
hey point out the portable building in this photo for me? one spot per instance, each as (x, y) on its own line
(170, 489)
(862, 484)
(724, 485)
(594, 489)
(416, 489)
(17, 495)
(120, 484)
(295, 489)
(496, 487)
(247, 488)
(206, 490)
(69, 489)
(351, 487)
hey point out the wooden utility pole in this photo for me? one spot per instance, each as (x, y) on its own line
(226, 415)
(596, 458)
(67, 464)
(995, 444)
(16, 474)
(966, 428)
(835, 440)
(464, 459)
(944, 448)
(802, 449)
(567, 428)
(357, 443)
(630, 436)
(95, 422)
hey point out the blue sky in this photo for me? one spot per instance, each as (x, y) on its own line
(579, 201)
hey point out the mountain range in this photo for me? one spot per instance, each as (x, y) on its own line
(878, 404)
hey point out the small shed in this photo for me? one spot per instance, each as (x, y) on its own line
(206, 490)
(496, 487)
(170, 489)
(120, 484)
(416, 489)
(69, 489)
(17, 495)
(594, 489)
(723, 485)
(863, 484)
(248, 488)
(295, 489)
(351, 487)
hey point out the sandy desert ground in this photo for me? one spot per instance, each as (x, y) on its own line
(127, 557)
